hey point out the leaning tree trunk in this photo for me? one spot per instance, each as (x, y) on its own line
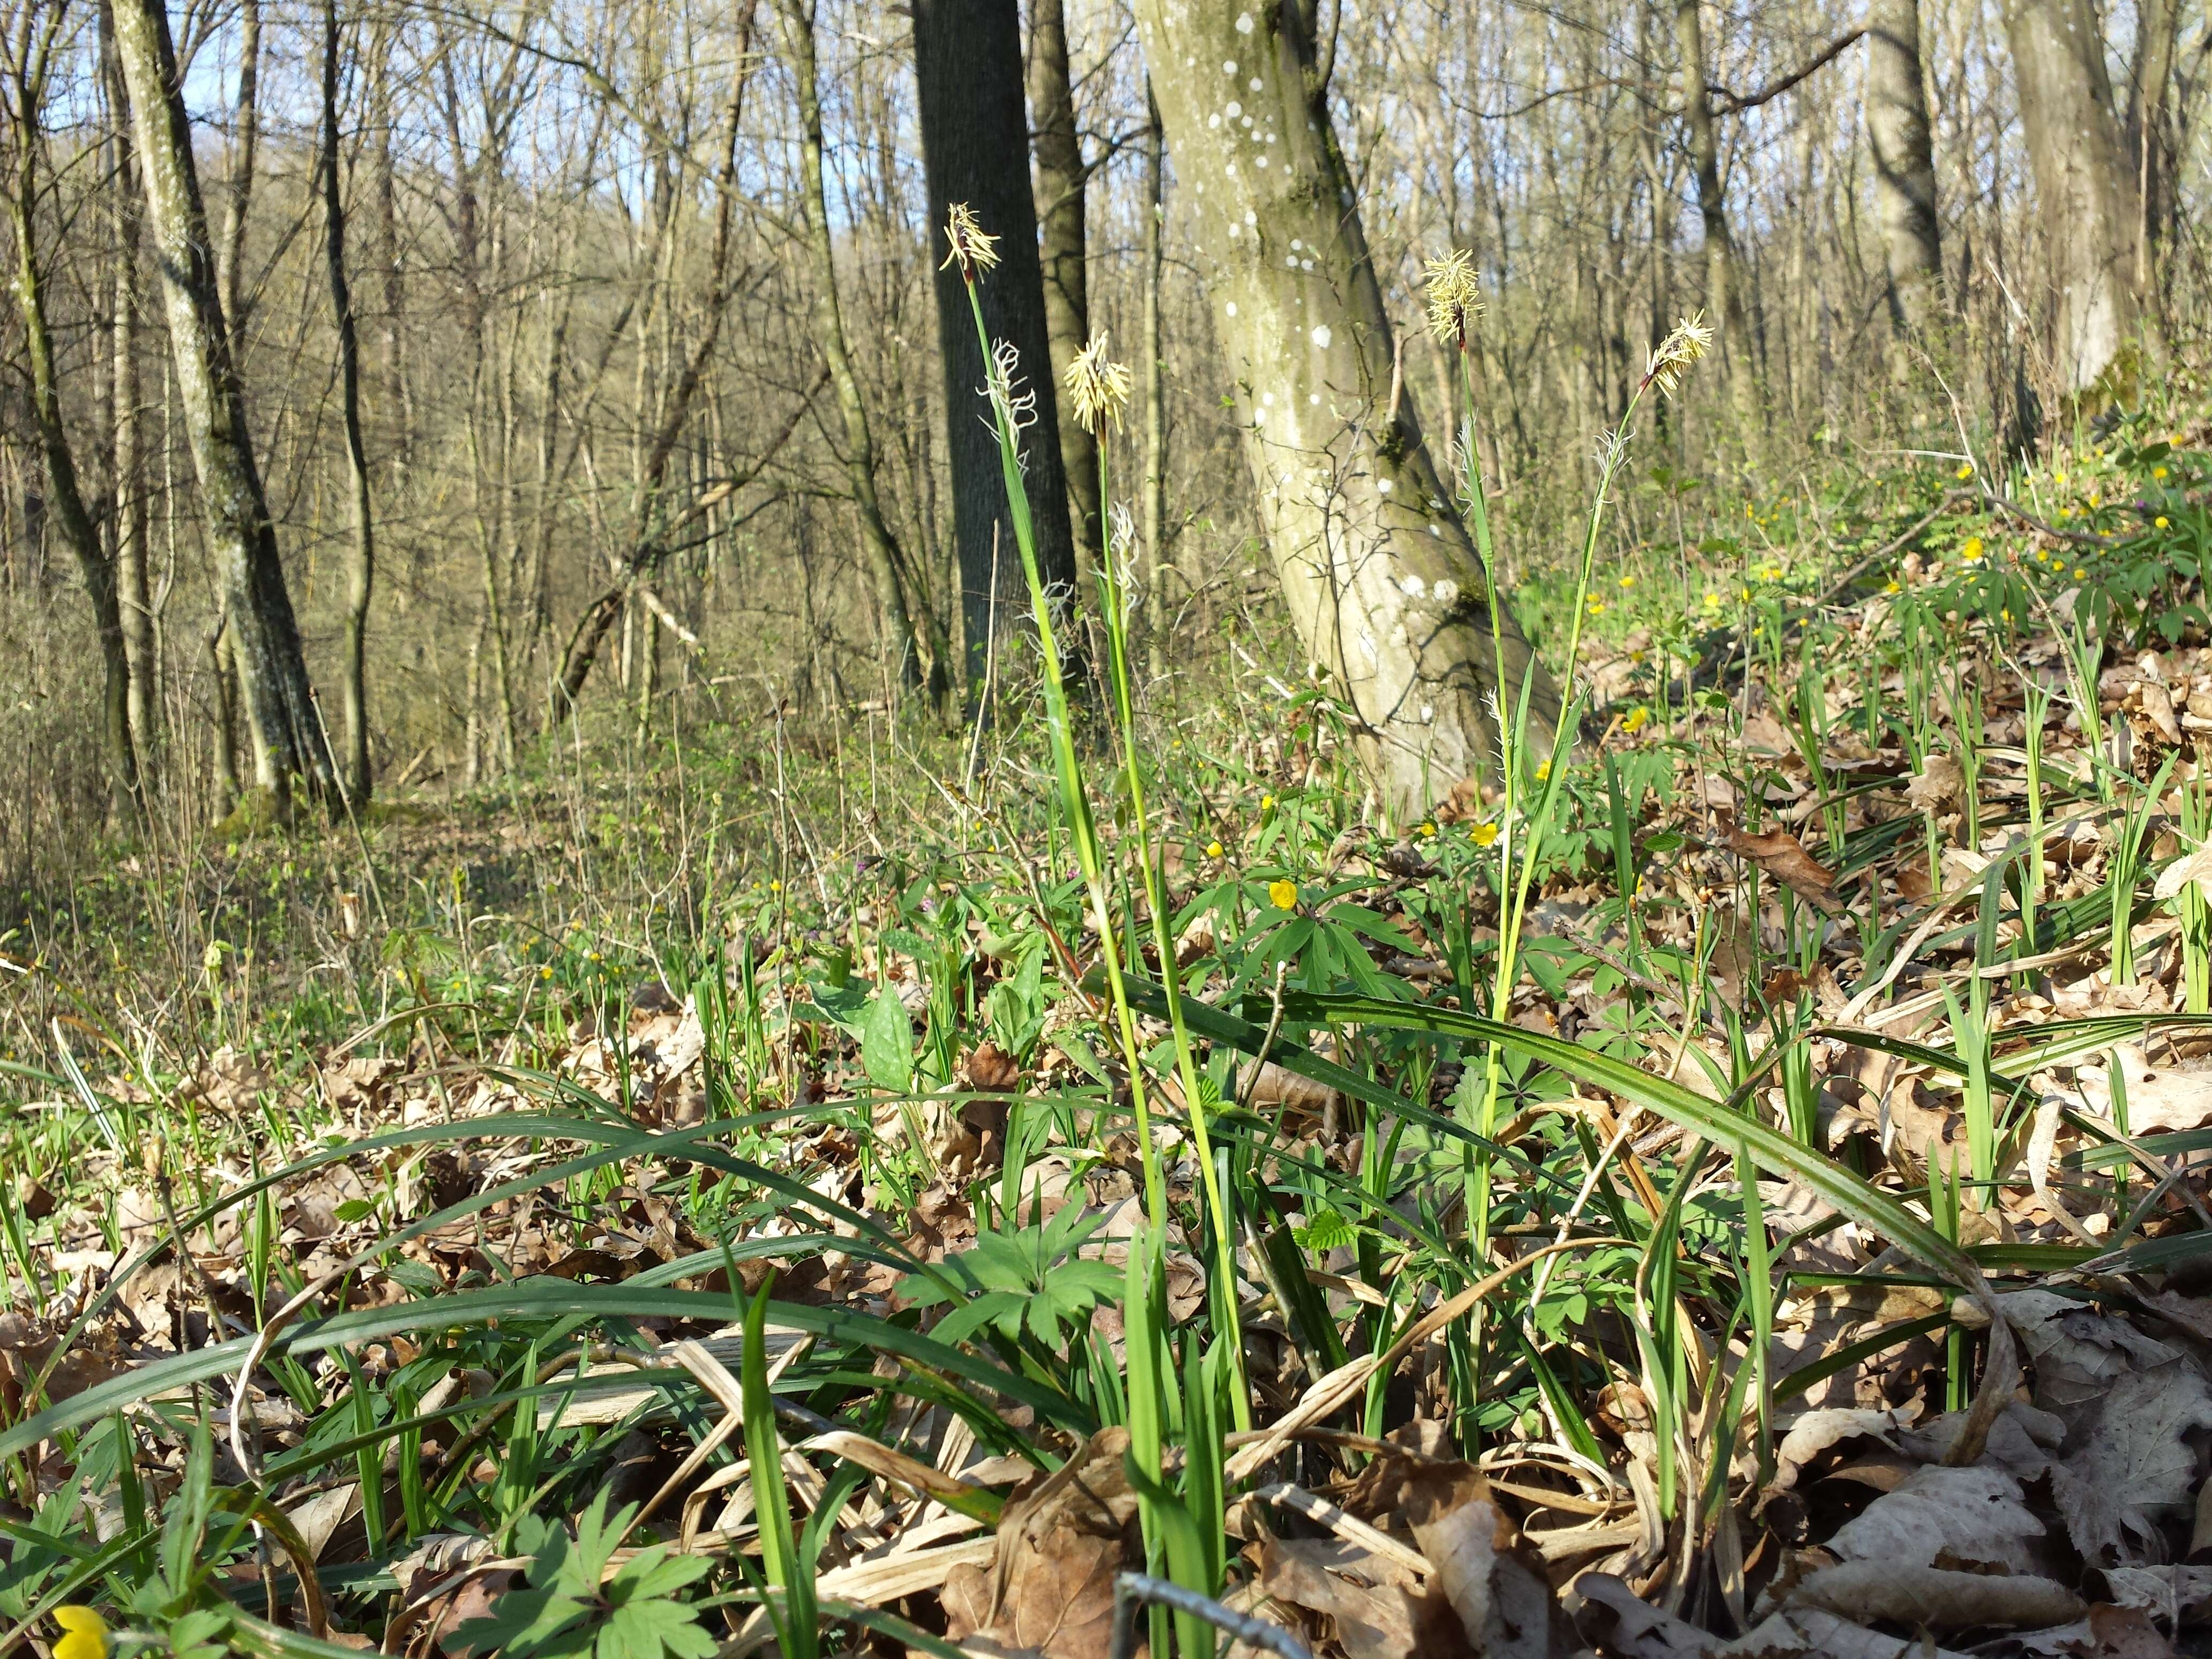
(1903, 163)
(1061, 197)
(974, 142)
(1378, 572)
(285, 725)
(361, 574)
(2149, 135)
(2085, 188)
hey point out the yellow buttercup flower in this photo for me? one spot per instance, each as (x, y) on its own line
(86, 1637)
(2158, 472)
(2160, 521)
(1973, 550)
(973, 250)
(1966, 469)
(1284, 894)
(1454, 297)
(2079, 573)
(1543, 771)
(1486, 835)
(1214, 849)
(1266, 801)
(1628, 581)
(1638, 718)
(1099, 389)
(1429, 831)
(1894, 587)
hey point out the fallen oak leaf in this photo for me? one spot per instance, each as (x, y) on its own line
(1782, 856)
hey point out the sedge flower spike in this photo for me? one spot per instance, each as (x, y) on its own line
(1098, 388)
(1454, 297)
(973, 249)
(1690, 339)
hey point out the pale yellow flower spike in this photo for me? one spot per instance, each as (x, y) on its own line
(1689, 342)
(1454, 297)
(972, 248)
(1098, 388)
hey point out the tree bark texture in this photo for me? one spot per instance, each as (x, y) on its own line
(361, 572)
(1723, 293)
(1379, 575)
(975, 141)
(2085, 187)
(1904, 162)
(1061, 197)
(285, 726)
(134, 596)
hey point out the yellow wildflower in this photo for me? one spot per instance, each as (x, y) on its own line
(1894, 587)
(1214, 849)
(86, 1634)
(1628, 581)
(1283, 895)
(1454, 297)
(2160, 521)
(1428, 831)
(973, 250)
(1098, 389)
(1266, 801)
(1973, 550)
(1486, 835)
(1543, 771)
(2158, 472)
(2058, 478)
(1712, 601)
(2079, 573)
(1966, 469)
(1638, 718)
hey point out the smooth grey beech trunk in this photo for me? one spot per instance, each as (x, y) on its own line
(284, 724)
(1904, 162)
(2085, 187)
(1377, 570)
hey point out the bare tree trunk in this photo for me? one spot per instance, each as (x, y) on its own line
(225, 685)
(1062, 197)
(1904, 162)
(2149, 133)
(975, 141)
(886, 560)
(1154, 349)
(1379, 575)
(248, 141)
(30, 55)
(1723, 289)
(286, 729)
(2085, 188)
(360, 573)
(134, 597)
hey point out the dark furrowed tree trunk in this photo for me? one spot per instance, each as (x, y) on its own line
(1062, 201)
(975, 141)
(360, 573)
(285, 726)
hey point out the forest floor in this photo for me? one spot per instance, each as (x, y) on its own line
(415, 1236)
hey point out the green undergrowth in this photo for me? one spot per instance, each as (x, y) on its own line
(1122, 1065)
